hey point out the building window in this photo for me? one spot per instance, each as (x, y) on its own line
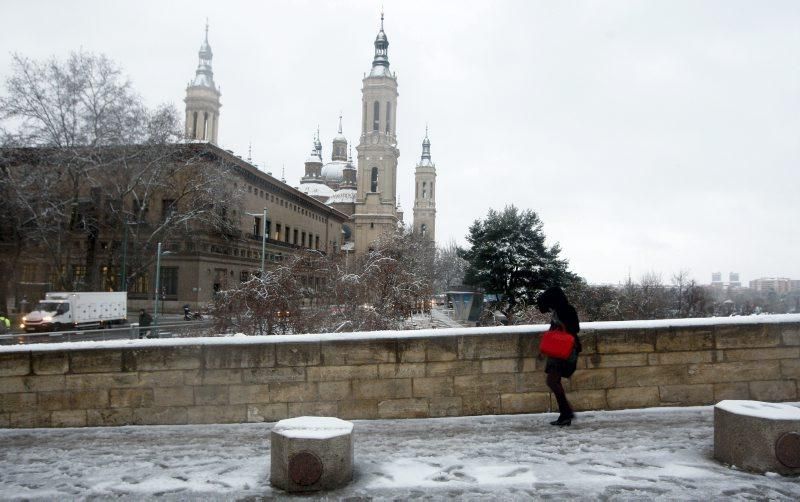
(316, 242)
(169, 283)
(374, 180)
(287, 235)
(423, 229)
(376, 116)
(277, 231)
(257, 226)
(303, 239)
(140, 286)
(244, 275)
(29, 272)
(167, 208)
(294, 241)
(388, 115)
(78, 274)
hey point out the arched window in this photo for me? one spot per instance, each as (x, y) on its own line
(205, 126)
(364, 119)
(388, 115)
(374, 180)
(424, 191)
(423, 229)
(194, 126)
(376, 116)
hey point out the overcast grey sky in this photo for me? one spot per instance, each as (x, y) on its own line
(649, 136)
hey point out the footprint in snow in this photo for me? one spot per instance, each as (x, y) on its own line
(515, 472)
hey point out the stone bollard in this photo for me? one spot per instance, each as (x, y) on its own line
(757, 436)
(311, 454)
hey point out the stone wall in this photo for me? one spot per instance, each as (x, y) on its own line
(393, 374)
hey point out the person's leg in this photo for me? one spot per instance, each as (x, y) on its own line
(554, 383)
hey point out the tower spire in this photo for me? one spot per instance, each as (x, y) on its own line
(340, 122)
(380, 64)
(426, 148)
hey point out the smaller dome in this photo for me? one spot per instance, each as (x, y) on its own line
(332, 171)
(313, 158)
(340, 139)
(426, 142)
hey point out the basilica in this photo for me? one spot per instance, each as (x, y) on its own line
(364, 190)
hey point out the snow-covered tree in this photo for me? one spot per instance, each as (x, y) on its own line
(449, 267)
(316, 293)
(508, 257)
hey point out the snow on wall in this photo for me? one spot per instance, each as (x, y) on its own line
(410, 334)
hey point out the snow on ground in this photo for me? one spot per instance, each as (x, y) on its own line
(662, 454)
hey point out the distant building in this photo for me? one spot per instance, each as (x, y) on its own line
(778, 285)
(366, 191)
(716, 280)
(733, 280)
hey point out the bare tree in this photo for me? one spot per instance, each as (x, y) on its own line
(449, 267)
(102, 164)
(316, 293)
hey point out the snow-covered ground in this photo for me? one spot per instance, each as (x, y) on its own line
(638, 454)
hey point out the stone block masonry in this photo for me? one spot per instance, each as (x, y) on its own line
(395, 374)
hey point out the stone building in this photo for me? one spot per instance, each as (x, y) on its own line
(198, 260)
(368, 193)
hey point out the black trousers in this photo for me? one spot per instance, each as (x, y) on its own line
(554, 383)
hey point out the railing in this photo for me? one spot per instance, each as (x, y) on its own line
(130, 332)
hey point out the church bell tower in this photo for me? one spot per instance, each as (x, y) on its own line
(202, 100)
(376, 195)
(425, 194)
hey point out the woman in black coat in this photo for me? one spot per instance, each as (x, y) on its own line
(563, 317)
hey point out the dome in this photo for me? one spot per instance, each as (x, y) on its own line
(343, 196)
(340, 138)
(332, 171)
(317, 190)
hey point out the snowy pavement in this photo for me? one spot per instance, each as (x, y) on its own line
(662, 454)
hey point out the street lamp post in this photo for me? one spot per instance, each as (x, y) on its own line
(123, 273)
(157, 290)
(263, 242)
(155, 295)
(263, 237)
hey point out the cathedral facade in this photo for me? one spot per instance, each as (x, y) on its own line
(368, 192)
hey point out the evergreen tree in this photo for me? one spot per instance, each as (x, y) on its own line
(508, 257)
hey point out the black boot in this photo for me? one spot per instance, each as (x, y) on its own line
(563, 420)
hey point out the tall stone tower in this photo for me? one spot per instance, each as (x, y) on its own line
(376, 193)
(425, 194)
(202, 99)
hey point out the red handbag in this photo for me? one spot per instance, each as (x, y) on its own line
(556, 343)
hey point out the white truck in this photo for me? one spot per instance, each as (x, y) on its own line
(60, 311)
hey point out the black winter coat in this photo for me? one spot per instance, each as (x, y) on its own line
(565, 318)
